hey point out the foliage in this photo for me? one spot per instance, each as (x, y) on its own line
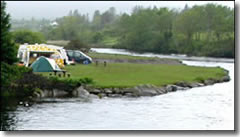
(77, 44)
(68, 84)
(205, 30)
(8, 47)
(27, 36)
(27, 83)
(10, 74)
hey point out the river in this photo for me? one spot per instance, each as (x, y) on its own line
(203, 108)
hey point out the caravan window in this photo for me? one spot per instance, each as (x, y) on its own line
(79, 55)
(70, 53)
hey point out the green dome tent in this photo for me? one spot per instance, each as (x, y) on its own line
(43, 64)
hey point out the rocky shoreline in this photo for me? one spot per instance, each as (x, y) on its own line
(89, 92)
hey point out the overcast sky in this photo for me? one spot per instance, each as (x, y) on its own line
(54, 9)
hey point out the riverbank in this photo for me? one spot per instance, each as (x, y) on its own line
(136, 76)
(91, 92)
(116, 58)
(122, 76)
(172, 56)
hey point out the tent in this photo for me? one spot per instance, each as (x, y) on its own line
(43, 64)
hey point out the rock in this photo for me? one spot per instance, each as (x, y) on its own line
(108, 91)
(59, 93)
(171, 88)
(225, 79)
(37, 95)
(129, 95)
(145, 90)
(209, 82)
(102, 95)
(128, 90)
(115, 95)
(161, 90)
(182, 84)
(92, 96)
(80, 92)
(47, 93)
(200, 84)
(117, 91)
(95, 91)
(193, 85)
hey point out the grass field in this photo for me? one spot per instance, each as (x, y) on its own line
(129, 75)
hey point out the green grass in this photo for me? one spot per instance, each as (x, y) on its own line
(130, 75)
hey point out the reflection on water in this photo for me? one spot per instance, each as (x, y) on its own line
(204, 108)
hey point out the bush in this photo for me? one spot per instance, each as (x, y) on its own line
(9, 75)
(27, 36)
(77, 44)
(68, 84)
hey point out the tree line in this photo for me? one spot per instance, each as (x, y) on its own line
(206, 30)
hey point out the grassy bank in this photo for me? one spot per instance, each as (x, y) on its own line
(126, 57)
(129, 75)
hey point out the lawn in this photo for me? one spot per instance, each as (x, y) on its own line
(129, 74)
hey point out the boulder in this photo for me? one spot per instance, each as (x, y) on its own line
(209, 82)
(225, 79)
(171, 88)
(193, 85)
(47, 93)
(115, 95)
(145, 90)
(161, 90)
(59, 93)
(108, 91)
(128, 90)
(102, 95)
(95, 91)
(128, 95)
(92, 96)
(182, 84)
(81, 92)
(117, 91)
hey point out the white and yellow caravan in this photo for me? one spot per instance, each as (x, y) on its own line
(29, 53)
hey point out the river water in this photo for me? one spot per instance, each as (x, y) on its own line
(203, 108)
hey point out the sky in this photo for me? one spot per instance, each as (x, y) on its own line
(54, 9)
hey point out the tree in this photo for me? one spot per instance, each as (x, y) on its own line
(27, 36)
(8, 47)
(96, 23)
(78, 44)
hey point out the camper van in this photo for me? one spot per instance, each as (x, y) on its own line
(78, 57)
(29, 53)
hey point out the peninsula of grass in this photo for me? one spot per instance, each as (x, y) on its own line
(122, 75)
(119, 56)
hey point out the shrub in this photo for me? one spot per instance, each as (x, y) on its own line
(77, 44)
(68, 84)
(27, 36)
